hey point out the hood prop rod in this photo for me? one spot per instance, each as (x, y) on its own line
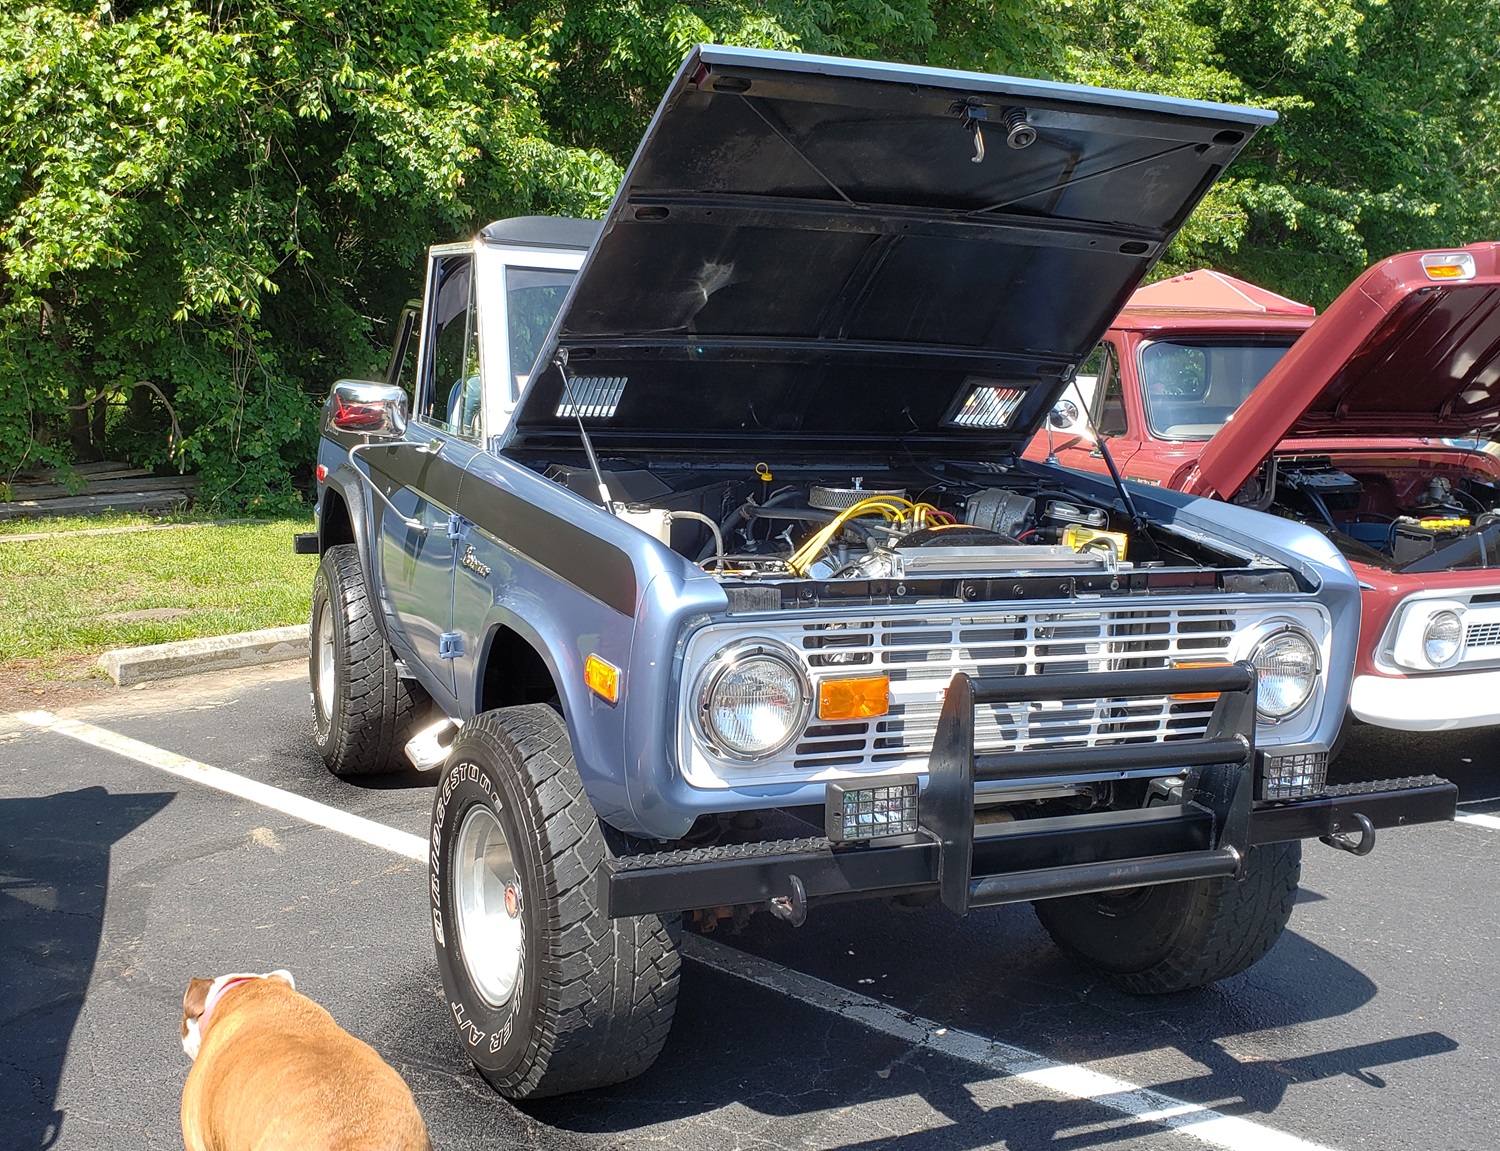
(561, 360)
(1139, 522)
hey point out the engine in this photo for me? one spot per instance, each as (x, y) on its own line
(830, 531)
(1401, 520)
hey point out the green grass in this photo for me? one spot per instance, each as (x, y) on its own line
(57, 596)
(53, 524)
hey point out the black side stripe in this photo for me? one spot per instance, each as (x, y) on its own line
(590, 564)
(581, 558)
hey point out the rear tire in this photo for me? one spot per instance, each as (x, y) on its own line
(549, 994)
(1178, 936)
(363, 712)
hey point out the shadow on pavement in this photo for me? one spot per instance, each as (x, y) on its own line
(738, 1047)
(54, 877)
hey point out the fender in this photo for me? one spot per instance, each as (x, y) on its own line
(595, 728)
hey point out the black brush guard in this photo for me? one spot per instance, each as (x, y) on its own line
(1207, 834)
(971, 862)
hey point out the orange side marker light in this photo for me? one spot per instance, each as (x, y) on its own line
(603, 678)
(854, 698)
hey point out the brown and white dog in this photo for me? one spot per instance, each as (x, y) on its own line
(272, 1071)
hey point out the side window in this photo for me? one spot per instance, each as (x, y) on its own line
(532, 298)
(1084, 390)
(1109, 396)
(451, 391)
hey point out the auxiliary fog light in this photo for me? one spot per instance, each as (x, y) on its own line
(1293, 776)
(871, 810)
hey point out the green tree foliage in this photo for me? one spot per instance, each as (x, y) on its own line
(207, 213)
(1388, 133)
(211, 208)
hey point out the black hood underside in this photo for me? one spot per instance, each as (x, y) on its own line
(806, 248)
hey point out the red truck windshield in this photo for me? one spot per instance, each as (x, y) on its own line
(1192, 387)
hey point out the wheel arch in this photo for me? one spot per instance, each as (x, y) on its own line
(343, 518)
(513, 669)
(518, 662)
(341, 515)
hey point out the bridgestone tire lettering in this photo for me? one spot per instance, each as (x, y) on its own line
(374, 711)
(594, 997)
(1179, 936)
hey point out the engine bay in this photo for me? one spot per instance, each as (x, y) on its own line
(774, 524)
(1414, 517)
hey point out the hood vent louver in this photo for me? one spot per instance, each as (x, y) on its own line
(598, 397)
(987, 406)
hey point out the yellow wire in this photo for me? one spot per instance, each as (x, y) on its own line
(894, 508)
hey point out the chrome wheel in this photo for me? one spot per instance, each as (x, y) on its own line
(324, 639)
(487, 897)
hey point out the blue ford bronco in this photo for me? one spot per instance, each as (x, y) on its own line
(694, 550)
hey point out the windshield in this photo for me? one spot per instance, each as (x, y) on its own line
(1192, 387)
(532, 298)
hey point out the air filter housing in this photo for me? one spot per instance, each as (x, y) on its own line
(837, 499)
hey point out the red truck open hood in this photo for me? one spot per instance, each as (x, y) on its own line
(1211, 293)
(1410, 349)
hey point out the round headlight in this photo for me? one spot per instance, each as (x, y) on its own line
(753, 701)
(1286, 666)
(1442, 638)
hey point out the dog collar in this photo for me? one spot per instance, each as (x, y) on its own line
(216, 993)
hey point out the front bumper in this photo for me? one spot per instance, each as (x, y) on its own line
(1208, 833)
(1441, 701)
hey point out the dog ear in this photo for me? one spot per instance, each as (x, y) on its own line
(285, 976)
(194, 1000)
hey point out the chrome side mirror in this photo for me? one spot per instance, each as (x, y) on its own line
(1064, 414)
(368, 408)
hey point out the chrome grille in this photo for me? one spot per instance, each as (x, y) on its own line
(921, 654)
(1482, 635)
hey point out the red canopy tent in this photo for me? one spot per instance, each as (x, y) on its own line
(1206, 291)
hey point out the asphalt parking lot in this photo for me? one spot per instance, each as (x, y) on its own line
(126, 868)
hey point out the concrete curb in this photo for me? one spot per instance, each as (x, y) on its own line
(132, 665)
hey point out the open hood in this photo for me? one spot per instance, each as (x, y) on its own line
(1411, 348)
(819, 253)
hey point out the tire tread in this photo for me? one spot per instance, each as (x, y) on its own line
(380, 710)
(1228, 925)
(612, 983)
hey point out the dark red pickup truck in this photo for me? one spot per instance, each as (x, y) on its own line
(1370, 423)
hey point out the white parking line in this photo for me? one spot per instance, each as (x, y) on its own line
(1490, 821)
(1071, 1081)
(286, 802)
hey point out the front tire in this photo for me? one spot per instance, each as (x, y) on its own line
(1179, 936)
(549, 994)
(363, 712)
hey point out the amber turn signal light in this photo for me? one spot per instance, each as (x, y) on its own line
(854, 698)
(1448, 265)
(603, 678)
(1185, 663)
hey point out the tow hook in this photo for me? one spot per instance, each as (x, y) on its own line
(1361, 846)
(793, 907)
